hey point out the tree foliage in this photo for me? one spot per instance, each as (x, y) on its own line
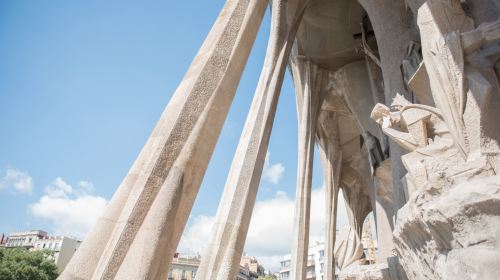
(21, 264)
(266, 278)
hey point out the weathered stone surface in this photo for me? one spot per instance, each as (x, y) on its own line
(222, 257)
(384, 215)
(310, 90)
(452, 235)
(419, 84)
(331, 160)
(394, 29)
(464, 86)
(349, 249)
(365, 272)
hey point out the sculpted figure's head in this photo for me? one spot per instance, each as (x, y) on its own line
(380, 112)
(388, 117)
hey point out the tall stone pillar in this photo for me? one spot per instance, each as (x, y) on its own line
(393, 26)
(383, 197)
(354, 82)
(137, 236)
(356, 195)
(331, 160)
(222, 257)
(309, 80)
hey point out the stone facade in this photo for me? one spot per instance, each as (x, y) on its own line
(402, 97)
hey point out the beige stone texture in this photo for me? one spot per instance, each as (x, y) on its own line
(419, 85)
(310, 80)
(331, 161)
(393, 29)
(384, 215)
(222, 257)
(453, 235)
(463, 81)
(349, 249)
(379, 271)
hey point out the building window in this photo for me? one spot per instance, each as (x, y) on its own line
(285, 264)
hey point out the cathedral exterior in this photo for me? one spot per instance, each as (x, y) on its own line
(402, 98)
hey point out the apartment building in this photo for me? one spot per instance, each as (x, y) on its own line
(24, 239)
(185, 268)
(63, 247)
(315, 263)
(255, 268)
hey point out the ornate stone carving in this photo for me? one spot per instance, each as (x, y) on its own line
(453, 235)
(410, 125)
(453, 149)
(460, 62)
(349, 248)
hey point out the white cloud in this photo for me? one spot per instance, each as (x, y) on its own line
(272, 172)
(195, 237)
(269, 236)
(19, 181)
(86, 186)
(70, 210)
(58, 189)
(271, 229)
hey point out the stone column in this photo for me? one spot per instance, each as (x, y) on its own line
(353, 82)
(393, 26)
(138, 234)
(383, 197)
(308, 79)
(356, 194)
(222, 257)
(331, 160)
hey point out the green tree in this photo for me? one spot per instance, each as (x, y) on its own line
(266, 278)
(21, 264)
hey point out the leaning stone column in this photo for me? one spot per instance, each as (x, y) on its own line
(331, 160)
(222, 257)
(148, 213)
(308, 78)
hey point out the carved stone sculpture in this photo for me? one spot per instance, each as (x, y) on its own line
(349, 248)
(464, 89)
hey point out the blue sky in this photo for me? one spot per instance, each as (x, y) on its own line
(82, 83)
